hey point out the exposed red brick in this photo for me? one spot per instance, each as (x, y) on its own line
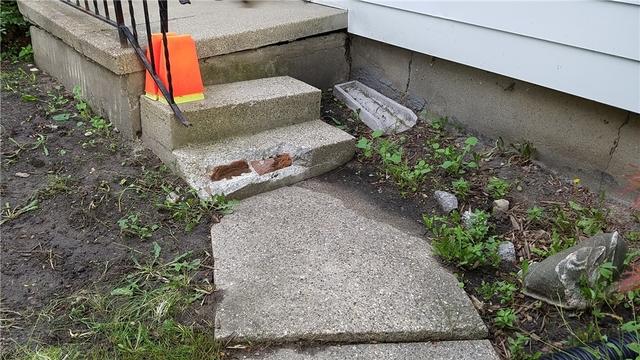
(272, 164)
(230, 170)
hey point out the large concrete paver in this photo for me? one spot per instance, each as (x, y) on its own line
(298, 265)
(445, 350)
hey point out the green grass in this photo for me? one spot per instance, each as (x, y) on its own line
(454, 160)
(464, 246)
(131, 225)
(9, 213)
(408, 176)
(133, 320)
(56, 184)
(189, 209)
(503, 290)
(535, 214)
(461, 187)
(497, 188)
(505, 318)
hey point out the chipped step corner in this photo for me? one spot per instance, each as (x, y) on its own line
(232, 178)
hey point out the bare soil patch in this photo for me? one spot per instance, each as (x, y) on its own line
(78, 205)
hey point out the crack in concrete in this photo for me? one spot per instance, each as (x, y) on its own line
(347, 55)
(406, 90)
(613, 149)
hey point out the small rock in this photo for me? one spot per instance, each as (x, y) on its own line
(500, 206)
(447, 201)
(22, 175)
(467, 219)
(172, 198)
(556, 279)
(34, 69)
(507, 252)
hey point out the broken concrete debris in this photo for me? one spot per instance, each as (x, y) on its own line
(556, 279)
(377, 111)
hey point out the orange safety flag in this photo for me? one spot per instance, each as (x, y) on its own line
(185, 70)
(150, 88)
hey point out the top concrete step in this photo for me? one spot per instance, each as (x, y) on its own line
(240, 108)
(218, 27)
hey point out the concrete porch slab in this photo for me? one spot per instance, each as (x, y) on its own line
(218, 27)
(297, 265)
(443, 350)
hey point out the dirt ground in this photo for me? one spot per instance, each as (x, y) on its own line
(83, 180)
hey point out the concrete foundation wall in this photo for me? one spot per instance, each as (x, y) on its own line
(582, 138)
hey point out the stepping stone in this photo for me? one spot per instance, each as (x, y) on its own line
(297, 265)
(445, 350)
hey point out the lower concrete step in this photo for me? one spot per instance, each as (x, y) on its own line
(240, 108)
(246, 165)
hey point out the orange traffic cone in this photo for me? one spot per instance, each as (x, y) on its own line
(185, 70)
(150, 88)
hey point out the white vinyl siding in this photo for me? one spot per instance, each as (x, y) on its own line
(586, 48)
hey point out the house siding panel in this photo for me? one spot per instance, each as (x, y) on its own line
(585, 48)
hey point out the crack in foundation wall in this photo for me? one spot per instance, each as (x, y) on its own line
(406, 88)
(347, 56)
(612, 151)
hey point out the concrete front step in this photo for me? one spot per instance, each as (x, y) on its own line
(443, 350)
(234, 109)
(314, 147)
(295, 265)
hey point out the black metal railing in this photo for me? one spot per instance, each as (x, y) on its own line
(128, 35)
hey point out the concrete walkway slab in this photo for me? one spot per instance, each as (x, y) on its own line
(445, 350)
(218, 27)
(298, 265)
